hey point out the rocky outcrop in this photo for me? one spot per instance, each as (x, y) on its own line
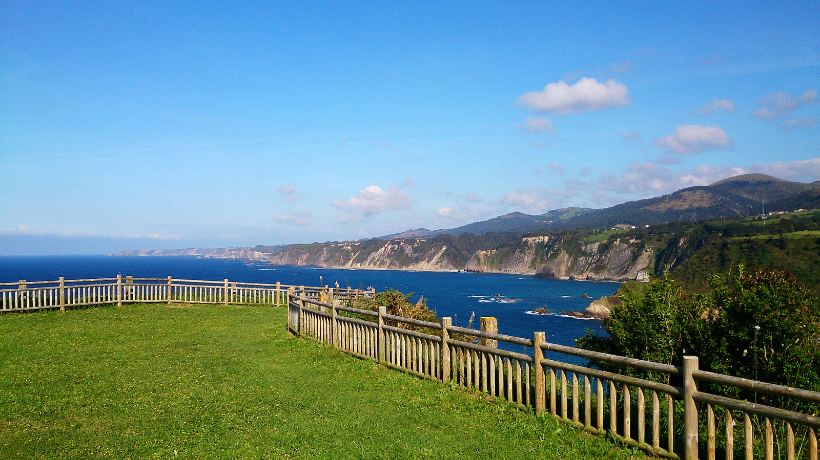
(601, 308)
(622, 259)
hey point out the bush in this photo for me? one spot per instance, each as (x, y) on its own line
(762, 325)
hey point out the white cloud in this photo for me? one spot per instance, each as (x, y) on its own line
(373, 200)
(651, 179)
(540, 199)
(586, 94)
(539, 125)
(446, 212)
(638, 178)
(718, 105)
(799, 122)
(557, 168)
(631, 136)
(695, 139)
(800, 170)
(298, 218)
(781, 104)
(288, 192)
(621, 66)
(529, 199)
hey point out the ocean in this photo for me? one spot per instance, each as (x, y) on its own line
(510, 298)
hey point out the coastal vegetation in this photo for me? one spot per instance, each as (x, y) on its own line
(757, 324)
(229, 381)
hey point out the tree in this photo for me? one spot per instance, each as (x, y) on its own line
(763, 325)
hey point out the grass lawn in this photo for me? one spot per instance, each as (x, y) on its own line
(600, 237)
(211, 381)
(790, 235)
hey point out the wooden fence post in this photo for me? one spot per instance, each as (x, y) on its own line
(129, 287)
(277, 297)
(22, 295)
(489, 324)
(690, 408)
(119, 289)
(301, 303)
(380, 338)
(225, 293)
(333, 327)
(168, 292)
(538, 355)
(446, 322)
(62, 293)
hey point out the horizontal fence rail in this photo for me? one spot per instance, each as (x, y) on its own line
(60, 294)
(672, 415)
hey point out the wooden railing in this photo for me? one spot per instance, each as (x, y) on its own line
(62, 293)
(667, 416)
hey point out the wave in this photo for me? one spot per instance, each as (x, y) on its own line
(267, 269)
(566, 296)
(532, 312)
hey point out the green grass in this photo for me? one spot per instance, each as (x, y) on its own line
(604, 235)
(208, 381)
(790, 235)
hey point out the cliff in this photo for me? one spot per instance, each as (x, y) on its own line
(559, 257)
(568, 257)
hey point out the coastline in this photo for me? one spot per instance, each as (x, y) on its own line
(377, 268)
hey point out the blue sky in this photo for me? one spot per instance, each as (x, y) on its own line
(132, 124)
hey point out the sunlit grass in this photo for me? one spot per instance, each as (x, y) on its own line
(789, 235)
(207, 381)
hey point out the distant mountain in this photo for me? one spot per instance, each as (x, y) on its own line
(737, 196)
(514, 222)
(414, 233)
(733, 197)
(556, 216)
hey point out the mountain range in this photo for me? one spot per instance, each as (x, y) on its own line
(737, 196)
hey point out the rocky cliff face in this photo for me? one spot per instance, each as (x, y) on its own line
(403, 254)
(548, 256)
(622, 259)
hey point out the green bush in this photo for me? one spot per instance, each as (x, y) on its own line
(762, 325)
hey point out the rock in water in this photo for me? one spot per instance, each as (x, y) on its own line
(598, 310)
(602, 307)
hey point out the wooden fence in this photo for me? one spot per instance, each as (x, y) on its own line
(62, 293)
(673, 415)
